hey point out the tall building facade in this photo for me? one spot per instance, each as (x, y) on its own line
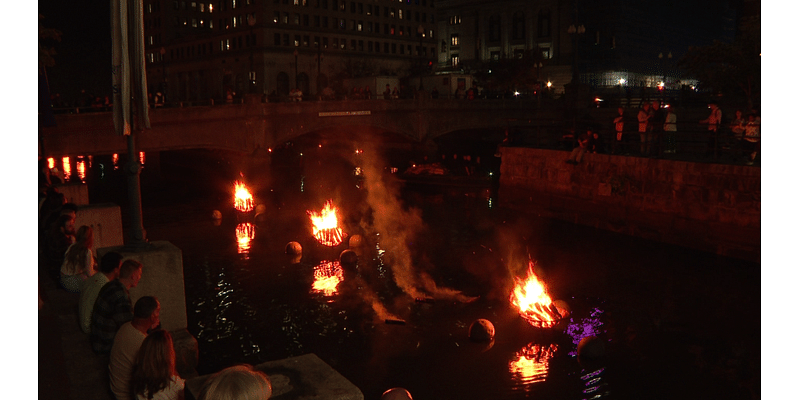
(200, 50)
(601, 43)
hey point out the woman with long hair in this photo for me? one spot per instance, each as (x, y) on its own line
(154, 376)
(78, 262)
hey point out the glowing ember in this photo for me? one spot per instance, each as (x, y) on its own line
(243, 199)
(141, 157)
(533, 302)
(245, 232)
(532, 362)
(327, 276)
(326, 225)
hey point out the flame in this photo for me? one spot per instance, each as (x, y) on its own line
(326, 225)
(327, 276)
(534, 304)
(243, 199)
(81, 166)
(67, 168)
(141, 157)
(532, 362)
(51, 162)
(115, 160)
(245, 232)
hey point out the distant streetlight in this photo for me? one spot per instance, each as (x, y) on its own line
(296, 86)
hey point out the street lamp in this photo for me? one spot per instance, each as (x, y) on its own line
(296, 86)
(663, 83)
(251, 21)
(420, 33)
(574, 32)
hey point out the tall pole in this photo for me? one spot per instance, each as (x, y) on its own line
(296, 86)
(133, 169)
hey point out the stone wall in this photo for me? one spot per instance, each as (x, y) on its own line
(711, 207)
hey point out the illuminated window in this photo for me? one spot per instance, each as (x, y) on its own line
(233, 3)
(210, 7)
(454, 39)
(296, 40)
(454, 60)
(391, 13)
(400, 13)
(234, 22)
(360, 26)
(202, 7)
(455, 20)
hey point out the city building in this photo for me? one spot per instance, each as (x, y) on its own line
(202, 50)
(622, 43)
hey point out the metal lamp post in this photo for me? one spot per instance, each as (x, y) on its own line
(574, 32)
(420, 33)
(251, 21)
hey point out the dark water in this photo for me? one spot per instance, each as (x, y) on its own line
(676, 323)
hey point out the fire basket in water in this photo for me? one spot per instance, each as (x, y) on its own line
(534, 304)
(326, 225)
(327, 276)
(243, 200)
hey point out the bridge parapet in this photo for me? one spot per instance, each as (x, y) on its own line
(251, 125)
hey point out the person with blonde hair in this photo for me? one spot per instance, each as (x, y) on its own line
(239, 382)
(78, 262)
(154, 376)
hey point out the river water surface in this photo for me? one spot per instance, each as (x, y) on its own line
(675, 322)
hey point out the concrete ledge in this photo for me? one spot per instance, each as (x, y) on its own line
(77, 193)
(305, 377)
(162, 276)
(106, 222)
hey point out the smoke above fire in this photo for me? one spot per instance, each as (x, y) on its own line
(396, 226)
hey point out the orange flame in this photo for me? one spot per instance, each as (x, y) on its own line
(51, 162)
(141, 157)
(534, 304)
(327, 276)
(245, 232)
(243, 199)
(326, 225)
(532, 362)
(115, 160)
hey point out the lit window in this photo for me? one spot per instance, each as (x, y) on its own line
(202, 7)
(400, 13)
(454, 60)
(233, 3)
(210, 7)
(454, 39)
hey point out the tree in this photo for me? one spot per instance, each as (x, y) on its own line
(46, 52)
(730, 69)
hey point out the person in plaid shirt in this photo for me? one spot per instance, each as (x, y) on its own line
(113, 306)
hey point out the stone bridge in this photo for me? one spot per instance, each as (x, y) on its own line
(253, 125)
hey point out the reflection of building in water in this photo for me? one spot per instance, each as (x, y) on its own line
(531, 364)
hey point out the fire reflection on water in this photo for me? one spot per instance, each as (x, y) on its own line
(67, 168)
(531, 364)
(81, 166)
(245, 232)
(327, 276)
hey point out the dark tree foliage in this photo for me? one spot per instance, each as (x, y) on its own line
(46, 51)
(732, 70)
